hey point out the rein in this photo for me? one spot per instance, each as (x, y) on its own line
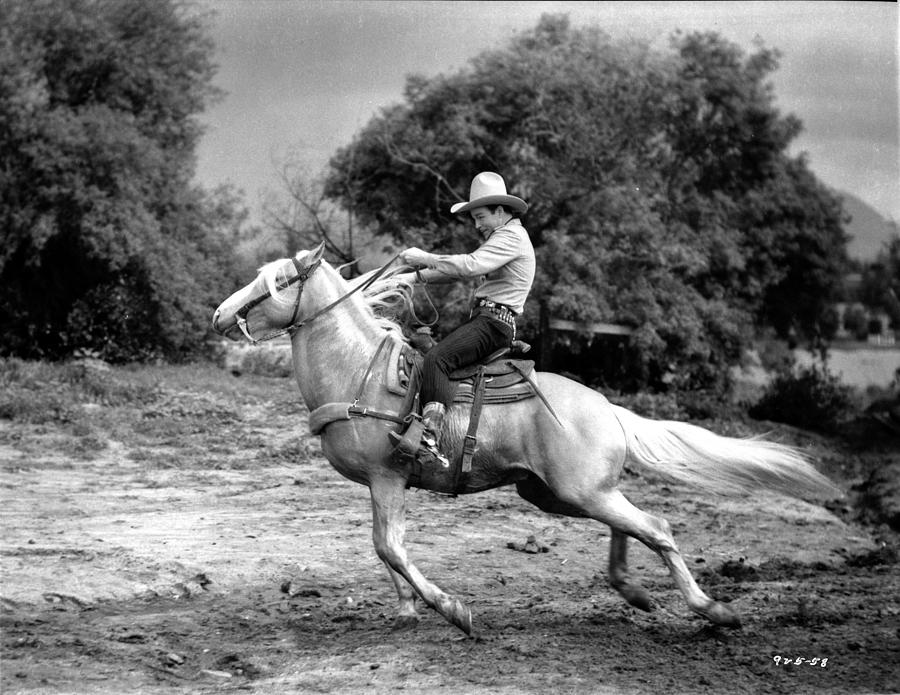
(412, 308)
(301, 277)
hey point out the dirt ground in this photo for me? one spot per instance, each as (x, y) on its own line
(198, 543)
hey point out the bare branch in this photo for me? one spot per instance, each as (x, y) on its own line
(394, 153)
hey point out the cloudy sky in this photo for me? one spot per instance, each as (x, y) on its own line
(303, 76)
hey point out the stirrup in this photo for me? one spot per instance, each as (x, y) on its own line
(429, 455)
(406, 445)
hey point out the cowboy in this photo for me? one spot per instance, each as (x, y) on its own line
(505, 262)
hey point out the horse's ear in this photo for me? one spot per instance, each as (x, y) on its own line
(316, 254)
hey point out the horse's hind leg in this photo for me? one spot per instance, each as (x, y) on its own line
(634, 593)
(536, 491)
(407, 616)
(389, 524)
(612, 508)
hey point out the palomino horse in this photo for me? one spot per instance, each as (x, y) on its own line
(570, 465)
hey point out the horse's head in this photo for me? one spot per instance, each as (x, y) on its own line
(271, 303)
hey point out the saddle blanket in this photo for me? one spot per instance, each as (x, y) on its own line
(506, 379)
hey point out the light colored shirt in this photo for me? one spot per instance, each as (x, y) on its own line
(505, 261)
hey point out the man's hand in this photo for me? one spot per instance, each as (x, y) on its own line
(404, 278)
(415, 257)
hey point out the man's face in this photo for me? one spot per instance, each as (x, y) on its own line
(488, 219)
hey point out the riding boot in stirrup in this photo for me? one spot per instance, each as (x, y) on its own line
(433, 419)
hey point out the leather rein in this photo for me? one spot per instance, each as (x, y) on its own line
(303, 274)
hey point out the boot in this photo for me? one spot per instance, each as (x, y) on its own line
(433, 419)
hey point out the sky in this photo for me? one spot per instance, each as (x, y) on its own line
(302, 77)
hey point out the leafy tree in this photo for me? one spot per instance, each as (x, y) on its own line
(108, 245)
(661, 192)
(881, 281)
(856, 321)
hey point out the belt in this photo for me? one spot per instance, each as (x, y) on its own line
(493, 305)
(501, 312)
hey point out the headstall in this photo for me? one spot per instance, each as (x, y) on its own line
(302, 276)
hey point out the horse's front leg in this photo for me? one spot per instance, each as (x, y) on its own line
(388, 528)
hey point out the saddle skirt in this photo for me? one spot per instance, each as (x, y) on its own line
(505, 378)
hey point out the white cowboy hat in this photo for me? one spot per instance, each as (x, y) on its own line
(489, 189)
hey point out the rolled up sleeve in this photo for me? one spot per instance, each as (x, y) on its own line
(497, 251)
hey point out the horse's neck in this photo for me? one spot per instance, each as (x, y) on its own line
(331, 354)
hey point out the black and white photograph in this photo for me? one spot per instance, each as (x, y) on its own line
(449, 347)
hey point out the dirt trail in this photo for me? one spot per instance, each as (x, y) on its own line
(202, 544)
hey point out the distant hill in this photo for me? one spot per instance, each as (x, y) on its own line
(868, 229)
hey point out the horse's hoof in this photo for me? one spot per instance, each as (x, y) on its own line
(721, 615)
(637, 596)
(462, 618)
(455, 612)
(402, 623)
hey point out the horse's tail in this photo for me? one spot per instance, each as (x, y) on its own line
(725, 465)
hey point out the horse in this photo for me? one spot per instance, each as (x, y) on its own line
(566, 459)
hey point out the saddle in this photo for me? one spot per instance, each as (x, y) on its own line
(501, 373)
(497, 379)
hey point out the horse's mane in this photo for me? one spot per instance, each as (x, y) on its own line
(385, 299)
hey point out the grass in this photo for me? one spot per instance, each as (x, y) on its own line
(41, 392)
(76, 409)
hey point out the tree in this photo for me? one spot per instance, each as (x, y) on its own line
(108, 245)
(661, 192)
(302, 216)
(881, 281)
(856, 321)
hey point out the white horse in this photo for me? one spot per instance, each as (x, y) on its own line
(567, 466)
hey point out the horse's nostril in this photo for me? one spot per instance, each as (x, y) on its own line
(216, 321)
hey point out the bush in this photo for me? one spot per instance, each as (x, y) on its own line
(698, 404)
(118, 321)
(42, 392)
(91, 381)
(775, 355)
(811, 398)
(656, 406)
(34, 407)
(273, 359)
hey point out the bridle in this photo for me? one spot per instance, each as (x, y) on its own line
(303, 274)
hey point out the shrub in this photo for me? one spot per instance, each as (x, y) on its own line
(275, 363)
(271, 359)
(656, 406)
(34, 407)
(775, 355)
(811, 398)
(42, 392)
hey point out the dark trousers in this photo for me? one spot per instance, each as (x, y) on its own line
(468, 344)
